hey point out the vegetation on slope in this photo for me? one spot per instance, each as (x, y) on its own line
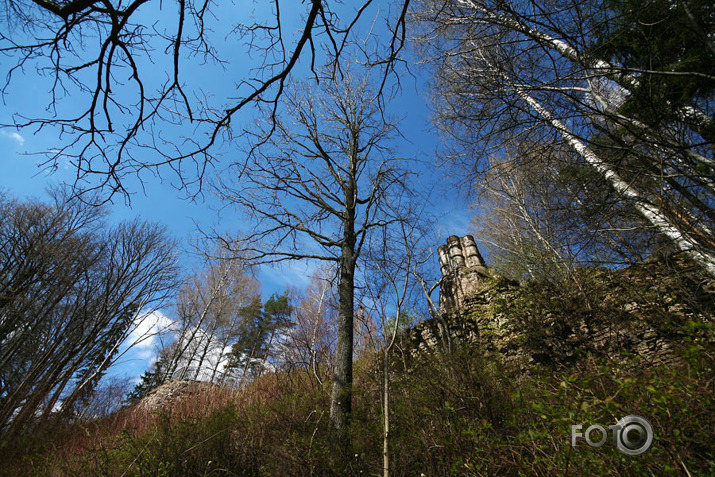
(466, 412)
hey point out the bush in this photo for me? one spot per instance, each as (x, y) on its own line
(473, 411)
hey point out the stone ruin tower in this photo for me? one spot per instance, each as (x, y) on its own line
(462, 267)
(464, 279)
(465, 316)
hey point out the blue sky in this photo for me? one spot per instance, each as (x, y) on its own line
(157, 199)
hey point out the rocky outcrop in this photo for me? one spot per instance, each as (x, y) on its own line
(167, 396)
(635, 315)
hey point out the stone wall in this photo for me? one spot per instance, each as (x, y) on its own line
(467, 285)
(479, 308)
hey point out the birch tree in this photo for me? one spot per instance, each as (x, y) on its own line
(208, 316)
(523, 72)
(549, 212)
(310, 344)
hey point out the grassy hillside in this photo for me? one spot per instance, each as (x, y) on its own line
(471, 411)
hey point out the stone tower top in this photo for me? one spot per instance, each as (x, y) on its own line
(460, 253)
(461, 265)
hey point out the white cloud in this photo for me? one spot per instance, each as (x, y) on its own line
(213, 358)
(148, 327)
(15, 137)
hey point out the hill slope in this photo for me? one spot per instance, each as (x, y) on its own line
(499, 397)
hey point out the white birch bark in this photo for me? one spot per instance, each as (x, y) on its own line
(649, 211)
(616, 73)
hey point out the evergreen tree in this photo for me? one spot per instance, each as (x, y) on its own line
(150, 380)
(259, 325)
(667, 45)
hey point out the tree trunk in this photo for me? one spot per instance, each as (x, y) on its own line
(620, 75)
(386, 414)
(341, 398)
(245, 367)
(648, 210)
(268, 350)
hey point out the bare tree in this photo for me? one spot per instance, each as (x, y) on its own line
(547, 212)
(516, 72)
(106, 399)
(116, 71)
(316, 188)
(71, 291)
(390, 290)
(310, 344)
(208, 317)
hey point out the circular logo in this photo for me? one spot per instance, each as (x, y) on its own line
(635, 435)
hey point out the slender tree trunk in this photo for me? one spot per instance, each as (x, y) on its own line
(386, 414)
(224, 343)
(268, 350)
(312, 352)
(386, 357)
(245, 367)
(648, 210)
(55, 398)
(209, 340)
(183, 347)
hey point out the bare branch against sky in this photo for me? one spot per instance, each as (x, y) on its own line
(145, 87)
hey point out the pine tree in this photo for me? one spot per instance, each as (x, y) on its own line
(259, 325)
(150, 380)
